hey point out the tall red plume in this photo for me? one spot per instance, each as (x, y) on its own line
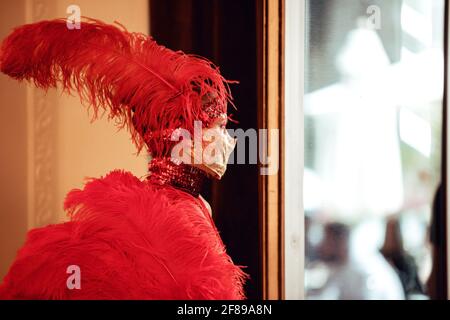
(142, 85)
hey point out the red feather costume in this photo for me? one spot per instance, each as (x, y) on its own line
(132, 239)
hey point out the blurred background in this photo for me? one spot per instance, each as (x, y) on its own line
(373, 133)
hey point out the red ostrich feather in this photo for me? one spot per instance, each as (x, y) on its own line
(140, 84)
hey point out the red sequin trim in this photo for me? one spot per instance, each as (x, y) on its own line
(164, 171)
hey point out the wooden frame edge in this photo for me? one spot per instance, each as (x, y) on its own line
(271, 106)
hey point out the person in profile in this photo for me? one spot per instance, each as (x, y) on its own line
(129, 238)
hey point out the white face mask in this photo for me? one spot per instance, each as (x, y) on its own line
(210, 153)
(217, 147)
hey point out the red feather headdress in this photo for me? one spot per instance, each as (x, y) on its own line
(142, 85)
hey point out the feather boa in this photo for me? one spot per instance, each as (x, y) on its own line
(131, 240)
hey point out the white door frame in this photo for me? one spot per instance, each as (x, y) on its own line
(294, 230)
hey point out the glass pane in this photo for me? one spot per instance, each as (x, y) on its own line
(373, 114)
